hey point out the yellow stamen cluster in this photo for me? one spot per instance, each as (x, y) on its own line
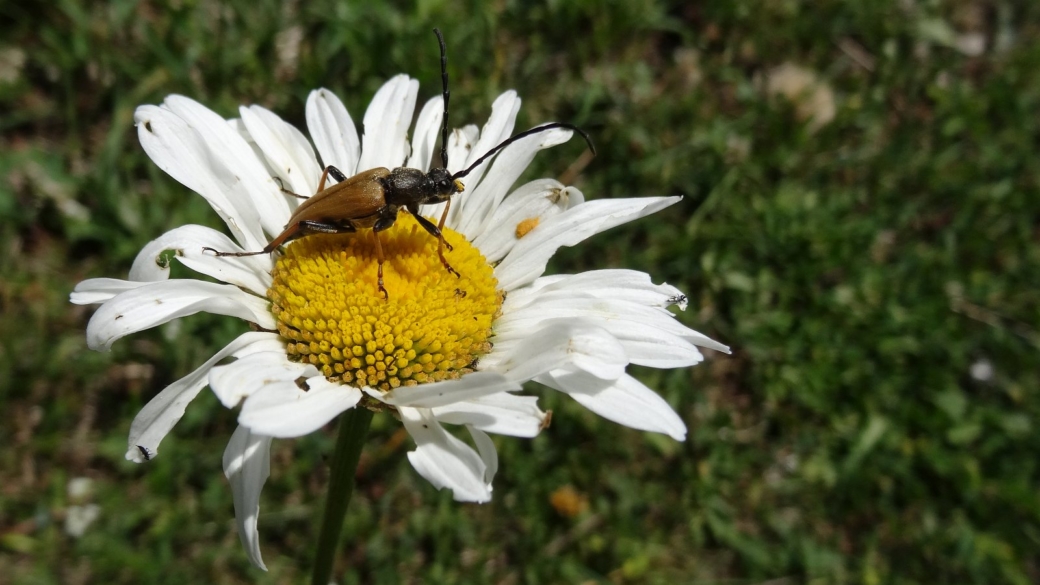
(433, 327)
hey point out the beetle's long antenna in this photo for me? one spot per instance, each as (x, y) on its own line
(513, 139)
(447, 94)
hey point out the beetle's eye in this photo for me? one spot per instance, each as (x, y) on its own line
(444, 186)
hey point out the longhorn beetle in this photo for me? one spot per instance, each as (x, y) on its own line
(372, 198)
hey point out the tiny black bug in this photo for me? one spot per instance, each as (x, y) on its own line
(145, 453)
(372, 198)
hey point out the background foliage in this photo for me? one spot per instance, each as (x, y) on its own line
(861, 224)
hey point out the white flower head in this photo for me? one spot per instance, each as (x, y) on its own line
(441, 349)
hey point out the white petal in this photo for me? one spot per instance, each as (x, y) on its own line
(180, 150)
(651, 337)
(618, 284)
(529, 256)
(509, 164)
(247, 465)
(333, 131)
(488, 454)
(626, 401)
(208, 154)
(258, 153)
(285, 148)
(386, 124)
(160, 302)
(555, 344)
(461, 142)
(239, 379)
(538, 201)
(443, 460)
(284, 410)
(427, 133)
(250, 272)
(502, 414)
(647, 303)
(240, 128)
(248, 179)
(99, 290)
(275, 404)
(622, 294)
(499, 126)
(163, 411)
(467, 387)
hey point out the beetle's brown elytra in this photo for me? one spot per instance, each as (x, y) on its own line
(372, 198)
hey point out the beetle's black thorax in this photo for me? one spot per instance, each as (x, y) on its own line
(405, 186)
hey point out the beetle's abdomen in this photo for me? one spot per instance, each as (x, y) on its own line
(405, 186)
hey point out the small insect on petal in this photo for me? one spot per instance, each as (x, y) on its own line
(679, 300)
(524, 227)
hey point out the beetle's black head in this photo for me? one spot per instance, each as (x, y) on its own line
(444, 186)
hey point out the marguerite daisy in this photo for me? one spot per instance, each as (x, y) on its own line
(441, 349)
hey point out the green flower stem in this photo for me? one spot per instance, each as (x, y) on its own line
(353, 427)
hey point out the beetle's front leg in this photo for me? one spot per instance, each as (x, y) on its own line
(435, 232)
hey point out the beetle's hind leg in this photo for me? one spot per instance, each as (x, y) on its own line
(290, 233)
(235, 254)
(310, 227)
(299, 230)
(281, 187)
(336, 174)
(329, 170)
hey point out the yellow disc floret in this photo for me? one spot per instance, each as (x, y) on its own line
(433, 327)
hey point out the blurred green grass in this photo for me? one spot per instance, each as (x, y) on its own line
(869, 268)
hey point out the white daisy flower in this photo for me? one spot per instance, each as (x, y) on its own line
(441, 349)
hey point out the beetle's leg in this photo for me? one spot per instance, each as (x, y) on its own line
(336, 174)
(310, 226)
(435, 232)
(329, 170)
(387, 217)
(290, 233)
(441, 242)
(304, 228)
(234, 254)
(281, 187)
(380, 258)
(444, 215)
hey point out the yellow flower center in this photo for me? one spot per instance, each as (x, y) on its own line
(433, 327)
